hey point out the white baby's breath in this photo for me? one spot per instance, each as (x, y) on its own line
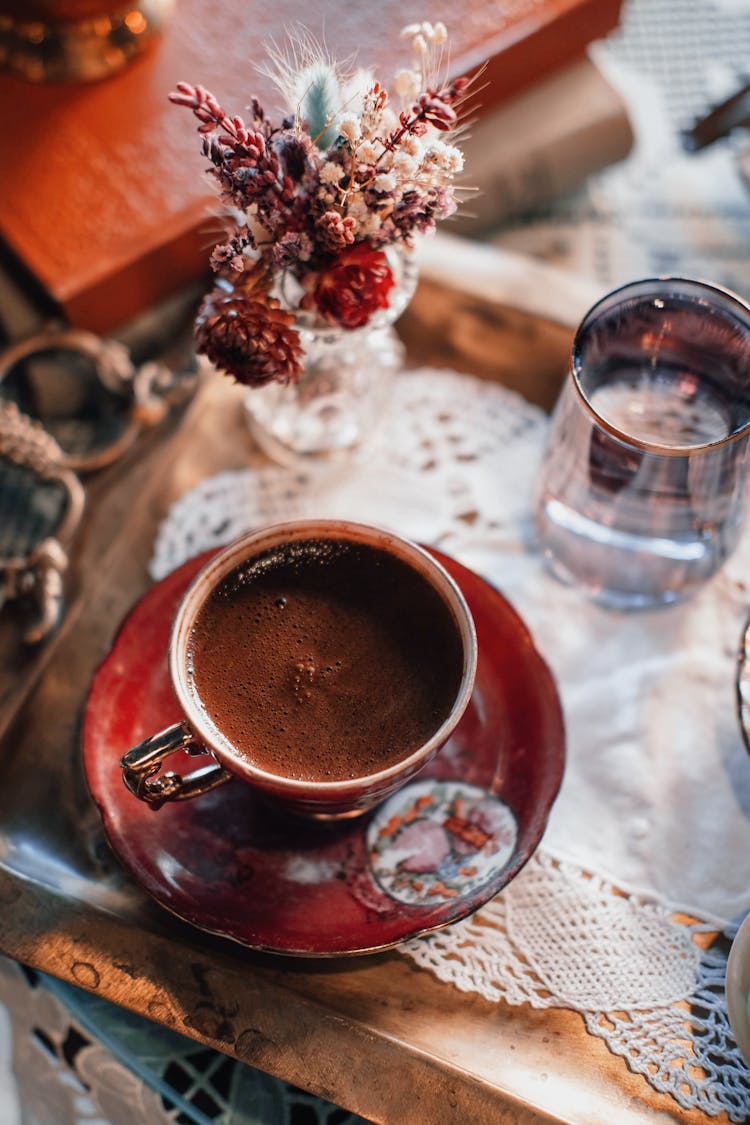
(427, 43)
(430, 32)
(357, 209)
(447, 158)
(368, 152)
(388, 121)
(349, 128)
(385, 181)
(330, 173)
(406, 83)
(371, 224)
(404, 166)
(412, 146)
(367, 222)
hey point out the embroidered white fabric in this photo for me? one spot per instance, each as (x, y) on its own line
(70, 1058)
(655, 803)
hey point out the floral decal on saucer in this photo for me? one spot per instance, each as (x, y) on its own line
(437, 840)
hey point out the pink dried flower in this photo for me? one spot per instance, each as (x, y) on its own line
(202, 102)
(336, 231)
(228, 257)
(419, 212)
(243, 159)
(290, 249)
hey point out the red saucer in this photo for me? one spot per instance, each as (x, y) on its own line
(437, 850)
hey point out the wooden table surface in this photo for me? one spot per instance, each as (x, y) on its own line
(374, 1034)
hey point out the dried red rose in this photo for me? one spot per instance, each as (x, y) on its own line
(353, 287)
(249, 338)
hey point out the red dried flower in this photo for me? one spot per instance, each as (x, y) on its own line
(431, 107)
(249, 336)
(350, 290)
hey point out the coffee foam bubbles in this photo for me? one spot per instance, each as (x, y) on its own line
(322, 660)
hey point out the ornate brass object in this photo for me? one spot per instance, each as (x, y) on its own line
(56, 420)
(41, 502)
(76, 40)
(97, 414)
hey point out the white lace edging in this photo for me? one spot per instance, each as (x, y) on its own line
(559, 937)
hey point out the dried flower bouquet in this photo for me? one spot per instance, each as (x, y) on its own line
(314, 203)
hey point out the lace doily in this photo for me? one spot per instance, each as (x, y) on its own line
(559, 937)
(637, 834)
(414, 479)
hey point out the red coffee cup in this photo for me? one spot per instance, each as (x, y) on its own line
(368, 595)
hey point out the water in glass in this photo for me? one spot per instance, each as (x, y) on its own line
(641, 494)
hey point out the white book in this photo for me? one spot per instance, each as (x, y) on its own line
(541, 145)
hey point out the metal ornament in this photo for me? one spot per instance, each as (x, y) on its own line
(41, 503)
(143, 394)
(41, 498)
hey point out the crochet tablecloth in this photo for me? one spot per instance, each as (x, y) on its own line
(625, 911)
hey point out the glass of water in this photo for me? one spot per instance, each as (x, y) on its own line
(641, 493)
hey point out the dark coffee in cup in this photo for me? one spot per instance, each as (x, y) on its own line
(324, 662)
(325, 659)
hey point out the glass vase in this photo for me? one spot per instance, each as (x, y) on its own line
(329, 414)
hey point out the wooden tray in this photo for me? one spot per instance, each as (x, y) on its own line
(415, 1049)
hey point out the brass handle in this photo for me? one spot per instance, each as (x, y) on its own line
(142, 763)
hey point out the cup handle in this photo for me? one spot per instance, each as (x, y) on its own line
(142, 762)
